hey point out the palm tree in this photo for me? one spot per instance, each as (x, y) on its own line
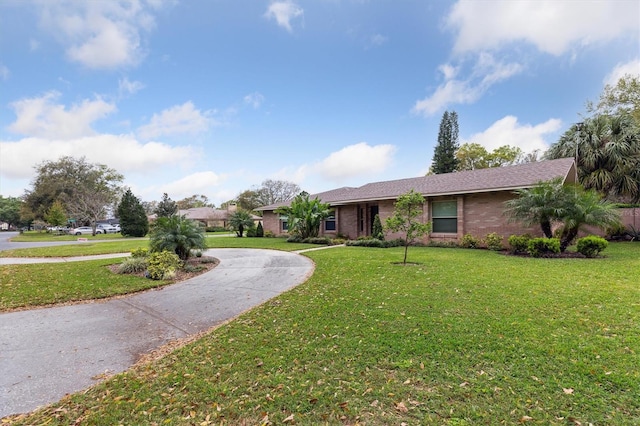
(239, 220)
(541, 205)
(607, 149)
(585, 208)
(304, 216)
(177, 234)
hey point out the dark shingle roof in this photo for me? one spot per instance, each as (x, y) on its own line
(506, 178)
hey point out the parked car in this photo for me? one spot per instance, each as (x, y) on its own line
(82, 230)
(117, 226)
(105, 228)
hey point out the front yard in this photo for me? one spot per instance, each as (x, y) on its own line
(463, 337)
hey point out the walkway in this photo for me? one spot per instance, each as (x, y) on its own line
(48, 353)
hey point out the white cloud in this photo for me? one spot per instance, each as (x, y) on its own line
(121, 152)
(126, 87)
(179, 119)
(34, 44)
(254, 99)
(283, 12)
(42, 117)
(376, 40)
(4, 72)
(631, 68)
(356, 160)
(507, 131)
(551, 26)
(196, 183)
(486, 72)
(100, 34)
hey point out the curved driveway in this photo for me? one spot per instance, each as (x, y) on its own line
(47, 353)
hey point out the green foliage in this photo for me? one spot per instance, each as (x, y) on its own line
(469, 241)
(405, 216)
(162, 265)
(444, 159)
(194, 201)
(304, 215)
(239, 221)
(472, 156)
(10, 210)
(177, 234)
(166, 207)
(133, 265)
(540, 247)
(519, 243)
(540, 205)
(259, 230)
(608, 155)
(591, 245)
(494, 241)
(573, 207)
(56, 215)
(633, 233)
(269, 234)
(140, 252)
(216, 229)
(373, 242)
(132, 216)
(378, 230)
(585, 208)
(85, 188)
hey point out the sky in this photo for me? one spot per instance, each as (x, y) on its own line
(213, 97)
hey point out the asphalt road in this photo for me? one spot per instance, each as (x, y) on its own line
(48, 353)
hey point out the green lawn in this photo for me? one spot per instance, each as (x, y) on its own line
(125, 245)
(464, 337)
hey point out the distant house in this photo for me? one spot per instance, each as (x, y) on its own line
(210, 217)
(459, 203)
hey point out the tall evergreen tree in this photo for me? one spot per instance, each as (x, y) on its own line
(167, 207)
(133, 218)
(444, 155)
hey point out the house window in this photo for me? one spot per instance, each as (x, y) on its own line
(330, 222)
(284, 224)
(445, 216)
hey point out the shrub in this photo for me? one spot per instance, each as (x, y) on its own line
(317, 240)
(140, 252)
(443, 244)
(295, 238)
(378, 231)
(633, 233)
(616, 232)
(519, 243)
(494, 241)
(372, 242)
(251, 232)
(469, 241)
(269, 234)
(132, 265)
(163, 265)
(539, 247)
(591, 245)
(260, 230)
(216, 229)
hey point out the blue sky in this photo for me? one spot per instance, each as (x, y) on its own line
(213, 97)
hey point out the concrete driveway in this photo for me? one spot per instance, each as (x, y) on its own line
(48, 353)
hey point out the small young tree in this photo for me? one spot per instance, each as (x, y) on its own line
(378, 231)
(260, 230)
(132, 216)
(56, 216)
(239, 221)
(177, 234)
(166, 207)
(405, 217)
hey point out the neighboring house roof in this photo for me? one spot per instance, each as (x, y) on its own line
(209, 213)
(507, 178)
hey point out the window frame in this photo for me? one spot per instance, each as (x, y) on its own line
(440, 219)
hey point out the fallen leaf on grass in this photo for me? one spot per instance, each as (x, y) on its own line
(525, 419)
(288, 419)
(401, 407)
(568, 391)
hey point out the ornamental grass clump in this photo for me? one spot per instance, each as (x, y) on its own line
(133, 265)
